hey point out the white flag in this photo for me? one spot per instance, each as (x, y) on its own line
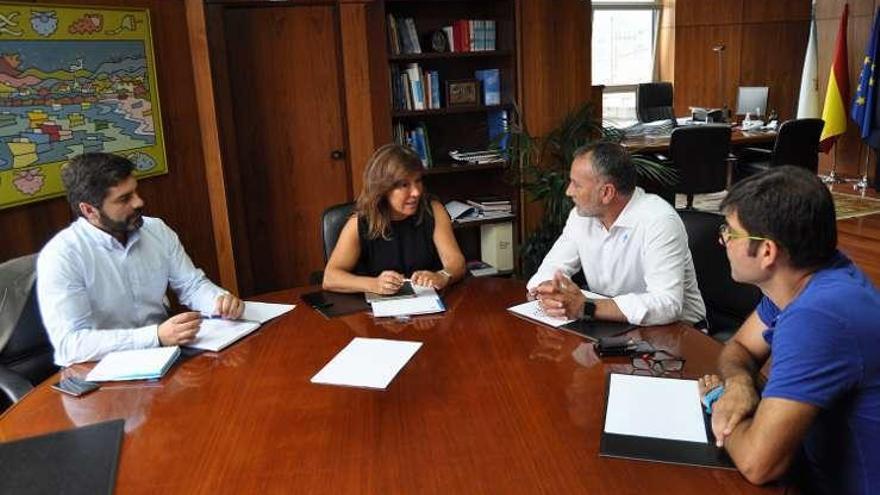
(808, 102)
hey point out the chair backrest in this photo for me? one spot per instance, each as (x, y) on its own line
(654, 101)
(700, 155)
(798, 144)
(27, 351)
(728, 303)
(332, 222)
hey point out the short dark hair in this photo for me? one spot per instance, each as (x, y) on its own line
(611, 161)
(88, 176)
(791, 206)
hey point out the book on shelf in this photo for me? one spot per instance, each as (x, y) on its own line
(479, 268)
(497, 124)
(416, 86)
(435, 89)
(450, 38)
(458, 209)
(413, 35)
(416, 138)
(403, 38)
(491, 83)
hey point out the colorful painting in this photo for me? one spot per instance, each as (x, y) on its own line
(74, 80)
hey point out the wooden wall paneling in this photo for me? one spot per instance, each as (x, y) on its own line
(781, 72)
(696, 66)
(554, 59)
(367, 84)
(666, 41)
(708, 12)
(199, 51)
(235, 197)
(762, 11)
(285, 73)
(179, 197)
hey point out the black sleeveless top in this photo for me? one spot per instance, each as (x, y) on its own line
(409, 247)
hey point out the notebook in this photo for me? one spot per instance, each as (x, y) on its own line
(78, 461)
(406, 290)
(426, 301)
(332, 304)
(140, 364)
(216, 334)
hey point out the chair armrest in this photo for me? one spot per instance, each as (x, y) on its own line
(13, 385)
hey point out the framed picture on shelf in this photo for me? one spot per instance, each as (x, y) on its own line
(463, 93)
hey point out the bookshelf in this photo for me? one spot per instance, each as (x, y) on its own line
(433, 126)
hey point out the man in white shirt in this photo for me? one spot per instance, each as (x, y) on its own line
(101, 282)
(632, 247)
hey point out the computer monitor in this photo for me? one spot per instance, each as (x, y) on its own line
(752, 99)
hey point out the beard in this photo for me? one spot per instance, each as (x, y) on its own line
(125, 226)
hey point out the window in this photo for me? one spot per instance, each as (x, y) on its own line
(624, 38)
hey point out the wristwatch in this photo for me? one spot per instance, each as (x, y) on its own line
(589, 310)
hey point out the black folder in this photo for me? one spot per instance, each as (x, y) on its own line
(663, 450)
(595, 329)
(81, 460)
(332, 304)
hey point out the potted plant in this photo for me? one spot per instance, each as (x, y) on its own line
(540, 165)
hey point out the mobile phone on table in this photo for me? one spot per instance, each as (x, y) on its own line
(76, 387)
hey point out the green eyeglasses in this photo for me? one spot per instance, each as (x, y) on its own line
(726, 234)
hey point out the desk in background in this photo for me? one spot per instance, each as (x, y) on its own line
(491, 403)
(738, 139)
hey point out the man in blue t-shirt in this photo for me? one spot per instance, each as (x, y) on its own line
(818, 417)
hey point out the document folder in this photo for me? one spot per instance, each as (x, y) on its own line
(663, 450)
(81, 460)
(332, 304)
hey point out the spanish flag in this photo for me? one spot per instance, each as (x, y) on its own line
(837, 97)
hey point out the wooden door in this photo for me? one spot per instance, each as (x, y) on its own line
(283, 66)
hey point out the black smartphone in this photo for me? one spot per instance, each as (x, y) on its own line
(74, 386)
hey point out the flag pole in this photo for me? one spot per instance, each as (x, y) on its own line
(832, 177)
(862, 184)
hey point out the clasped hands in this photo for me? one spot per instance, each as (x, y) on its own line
(389, 281)
(182, 328)
(560, 297)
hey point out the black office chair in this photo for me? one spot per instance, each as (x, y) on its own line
(654, 102)
(728, 303)
(700, 155)
(332, 221)
(26, 358)
(797, 143)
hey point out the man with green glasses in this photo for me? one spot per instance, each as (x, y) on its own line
(817, 420)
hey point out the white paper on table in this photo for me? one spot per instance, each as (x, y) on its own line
(216, 334)
(426, 302)
(370, 363)
(532, 310)
(262, 312)
(138, 364)
(648, 406)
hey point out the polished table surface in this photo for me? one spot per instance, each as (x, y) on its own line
(490, 404)
(738, 138)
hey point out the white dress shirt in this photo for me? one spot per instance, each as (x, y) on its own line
(642, 261)
(97, 296)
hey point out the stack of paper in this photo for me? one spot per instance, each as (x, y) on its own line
(370, 363)
(426, 301)
(140, 364)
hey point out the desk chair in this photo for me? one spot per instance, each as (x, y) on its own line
(332, 221)
(797, 143)
(700, 155)
(728, 303)
(654, 102)
(26, 355)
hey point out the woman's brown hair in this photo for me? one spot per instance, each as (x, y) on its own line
(387, 168)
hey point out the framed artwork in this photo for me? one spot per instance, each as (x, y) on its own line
(463, 93)
(74, 79)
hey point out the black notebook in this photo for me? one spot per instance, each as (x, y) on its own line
(81, 460)
(596, 329)
(661, 449)
(332, 304)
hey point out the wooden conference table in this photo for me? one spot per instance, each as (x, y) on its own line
(738, 139)
(490, 404)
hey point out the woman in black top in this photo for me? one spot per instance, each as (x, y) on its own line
(396, 232)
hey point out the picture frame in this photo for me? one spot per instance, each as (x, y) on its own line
(463, 93)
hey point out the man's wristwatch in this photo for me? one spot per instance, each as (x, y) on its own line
(589, 311)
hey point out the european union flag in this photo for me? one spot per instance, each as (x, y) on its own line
(865, 110)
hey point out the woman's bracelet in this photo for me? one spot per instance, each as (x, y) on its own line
(711, 397)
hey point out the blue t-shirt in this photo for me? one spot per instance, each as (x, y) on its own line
(825, 351)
